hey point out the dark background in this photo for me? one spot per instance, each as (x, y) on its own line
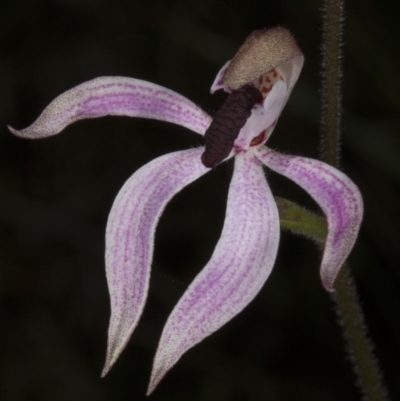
(55, 195)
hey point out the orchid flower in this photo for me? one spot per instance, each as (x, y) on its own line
(259, 80)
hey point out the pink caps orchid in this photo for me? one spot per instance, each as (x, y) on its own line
(269, 61)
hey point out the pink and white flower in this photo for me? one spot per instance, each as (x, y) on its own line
(243, 258)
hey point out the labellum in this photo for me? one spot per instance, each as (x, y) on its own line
(228, 121)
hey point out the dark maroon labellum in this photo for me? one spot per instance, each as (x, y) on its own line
(227, 123)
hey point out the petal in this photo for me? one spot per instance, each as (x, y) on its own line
(290, 71)
(263, 116)
(335, 193)
(130, 238)
(218, 81)
(116, 96)
(239, 266)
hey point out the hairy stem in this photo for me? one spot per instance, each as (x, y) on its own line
(359, 346)
(345, 297)
(298, 220)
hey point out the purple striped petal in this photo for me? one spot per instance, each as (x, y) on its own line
(239, 267)
(118, 96)
(130, 238)
(335, 193)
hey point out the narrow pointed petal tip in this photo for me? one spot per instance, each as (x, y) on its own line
(119, 96)
(130, 239)
(237, 270)
(338, 197)
(13, 131)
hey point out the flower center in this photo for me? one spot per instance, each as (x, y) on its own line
(227, 123)
(267, 81)
(259, 139)
(222, 135)
(264, 85)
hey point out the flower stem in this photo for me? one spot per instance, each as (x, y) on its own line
(345, 297)
(300, 221)
(359, 346)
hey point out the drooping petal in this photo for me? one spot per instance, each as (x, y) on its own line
(130, 238)
(239, 266)
(335, 193)
(263, 116)
(116, 96)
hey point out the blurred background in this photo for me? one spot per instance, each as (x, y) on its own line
(55, 195)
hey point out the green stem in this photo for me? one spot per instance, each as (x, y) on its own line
(359, 345)
(300, 221)
(345, 297)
